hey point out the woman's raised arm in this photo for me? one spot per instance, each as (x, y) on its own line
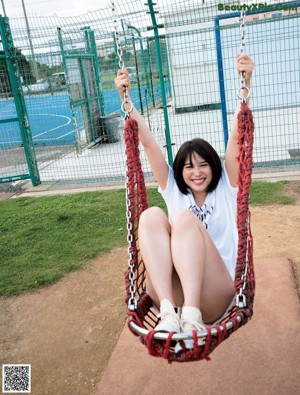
(244, 63)
(153, 152)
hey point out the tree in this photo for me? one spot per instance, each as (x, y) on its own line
(4, 80)
(25, 72)
(112, 59)
(25, 68)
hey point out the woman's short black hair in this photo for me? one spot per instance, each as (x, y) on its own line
(207, 152)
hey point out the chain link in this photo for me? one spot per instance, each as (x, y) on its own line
(242, 51)
(240, 297)
(121, 61)
(132, 301)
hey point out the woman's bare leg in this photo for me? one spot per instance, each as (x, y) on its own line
(155, 247)
(200, 272)
(205, 280)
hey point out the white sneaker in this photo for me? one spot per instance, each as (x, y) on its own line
(169, 320)
(191, 319)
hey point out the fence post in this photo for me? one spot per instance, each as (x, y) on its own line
(221, 80)
(150, 73)
(161, 79)
(143, 57)
(137, 73)
(16, 87)
(63, 54)
(93, 49)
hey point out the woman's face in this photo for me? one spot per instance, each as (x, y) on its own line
(197, 173)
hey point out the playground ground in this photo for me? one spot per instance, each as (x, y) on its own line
(68, 331)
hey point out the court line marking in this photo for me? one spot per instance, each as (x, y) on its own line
(3, 142)
(47, 131)
(51, 130)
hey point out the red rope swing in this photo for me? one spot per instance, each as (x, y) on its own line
(142, 317)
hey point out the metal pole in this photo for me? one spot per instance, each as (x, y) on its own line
(150, 72)
(143, 55)
(162, 83)
(2, 2)
(93, 49)
(35, 69)
(137, 74)
(221, 80)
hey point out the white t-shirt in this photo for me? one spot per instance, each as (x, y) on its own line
(218, 214)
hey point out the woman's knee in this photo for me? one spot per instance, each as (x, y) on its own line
(153, 216)
(183, 218)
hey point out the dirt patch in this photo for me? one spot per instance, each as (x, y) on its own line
(68, 330)
(276, 230)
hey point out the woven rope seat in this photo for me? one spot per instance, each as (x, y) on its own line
(142, 315)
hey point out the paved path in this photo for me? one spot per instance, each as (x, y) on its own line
(261, 358)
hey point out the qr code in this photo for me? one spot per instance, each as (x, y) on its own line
(16, 379)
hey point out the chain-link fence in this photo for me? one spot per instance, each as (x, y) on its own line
(181, 58)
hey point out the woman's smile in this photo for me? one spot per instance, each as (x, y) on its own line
(197, 173)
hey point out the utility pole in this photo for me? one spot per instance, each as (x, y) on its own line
(35, 69)
(2, 2)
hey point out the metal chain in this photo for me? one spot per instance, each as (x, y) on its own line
(121, 61)
(132, 301)
(242, 51)
(240, 297)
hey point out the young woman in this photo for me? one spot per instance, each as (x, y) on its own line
(190, 256)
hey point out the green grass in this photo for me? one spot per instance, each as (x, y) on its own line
(42, 239)
(264, 192)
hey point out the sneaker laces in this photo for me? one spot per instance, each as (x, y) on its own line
(189, 326)
(168, 316)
